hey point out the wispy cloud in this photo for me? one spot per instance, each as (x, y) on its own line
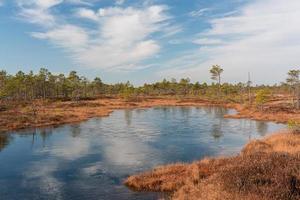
(199, 13)
(87, 14)
(124, 36)
(120, 2)
(207, 41)
(262, 39)
(121, 37)
(260, 36)
(37, 12)
(66, 36)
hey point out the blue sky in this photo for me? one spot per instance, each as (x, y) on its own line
(147, 40)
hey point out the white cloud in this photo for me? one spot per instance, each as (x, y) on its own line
(41, 174)
(114, 56)
(171, 30)
(262, 39)
(121, 39)
(87, 13)
(82, 2)
(66, 36)
(207, 41)
(199, 13)
(47, 3)
(38, 11)
(120, 2)
(124, 26)
(71, 149)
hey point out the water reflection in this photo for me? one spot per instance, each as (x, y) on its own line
(220, 112)
(261, 127)
(45, 133)
(185, 111)
(42, 133)
(216, 112)
(166, 111)
(218, 121)
(5, 139)
(75, 130)
(90, 160)
(216, 131)
(128, 117)
(41, 173)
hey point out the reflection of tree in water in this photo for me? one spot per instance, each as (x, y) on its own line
(128, 117)
(33, 133)
(262, 128)
(140, 111)
(216, 131)
(218, 115)
(208, 110)
(75, 130)
(185, 111)
(166, 111)
(220, 112)
(45, 133)
(5, 139)
(247, 128)
(217, 127)
(216, 112)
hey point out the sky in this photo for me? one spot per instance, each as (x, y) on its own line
(148, 40)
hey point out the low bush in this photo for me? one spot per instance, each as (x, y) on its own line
(294, 126)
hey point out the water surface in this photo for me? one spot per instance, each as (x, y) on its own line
(91, 159)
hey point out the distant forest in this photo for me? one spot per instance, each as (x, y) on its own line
(46, 85)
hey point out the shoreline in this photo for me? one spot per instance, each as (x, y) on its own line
(265, 169)
(204, 179)
(60, 113)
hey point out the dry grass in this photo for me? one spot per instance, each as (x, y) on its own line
(265, 170)
(165, 179)
(44, 113)
(47, 113)
(283, 142)
(273, 176)
(18, 115)
(276, 110)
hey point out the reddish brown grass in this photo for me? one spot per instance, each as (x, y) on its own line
(283, 142)
(267, 170)
(18, 115)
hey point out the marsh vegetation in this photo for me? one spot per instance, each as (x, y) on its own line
(45, 99)
(91, 159)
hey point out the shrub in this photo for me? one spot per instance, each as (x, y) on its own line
(129, 94)
(262, 96)
(294, 126)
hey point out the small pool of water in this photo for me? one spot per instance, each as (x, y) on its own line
(90, 160)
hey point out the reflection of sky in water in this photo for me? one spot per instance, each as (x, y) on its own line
(90, 160)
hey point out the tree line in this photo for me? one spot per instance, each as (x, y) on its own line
(46, 85)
